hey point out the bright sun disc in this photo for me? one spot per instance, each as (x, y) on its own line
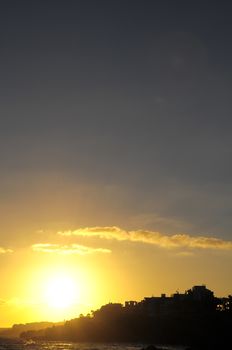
(60, 292)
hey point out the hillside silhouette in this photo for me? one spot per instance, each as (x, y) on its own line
(17, 329)
(196, 317)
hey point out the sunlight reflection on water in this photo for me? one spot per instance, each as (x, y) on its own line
(75, 346)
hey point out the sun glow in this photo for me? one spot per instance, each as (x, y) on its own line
(60, 292)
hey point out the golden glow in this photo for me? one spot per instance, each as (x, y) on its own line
(60, 292)
(53, 287)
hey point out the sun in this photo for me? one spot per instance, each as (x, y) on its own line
(60, 292)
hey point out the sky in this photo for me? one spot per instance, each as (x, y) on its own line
(115, 152)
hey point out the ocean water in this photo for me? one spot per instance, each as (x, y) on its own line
(75, 346)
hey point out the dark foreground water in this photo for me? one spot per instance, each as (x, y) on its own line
(74, 346)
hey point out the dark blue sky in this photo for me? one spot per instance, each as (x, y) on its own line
(116, 113)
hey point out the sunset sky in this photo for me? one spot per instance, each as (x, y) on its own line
(115, 153)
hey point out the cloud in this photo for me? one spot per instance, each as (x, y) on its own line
(18, 302)
(67, 249)
(4, 250)
(181, 240)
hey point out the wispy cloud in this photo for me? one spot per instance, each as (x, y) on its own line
(181, 240)
(5, 251)
(67, 249)
(20, 303)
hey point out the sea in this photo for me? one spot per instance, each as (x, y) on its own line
(77, 346)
